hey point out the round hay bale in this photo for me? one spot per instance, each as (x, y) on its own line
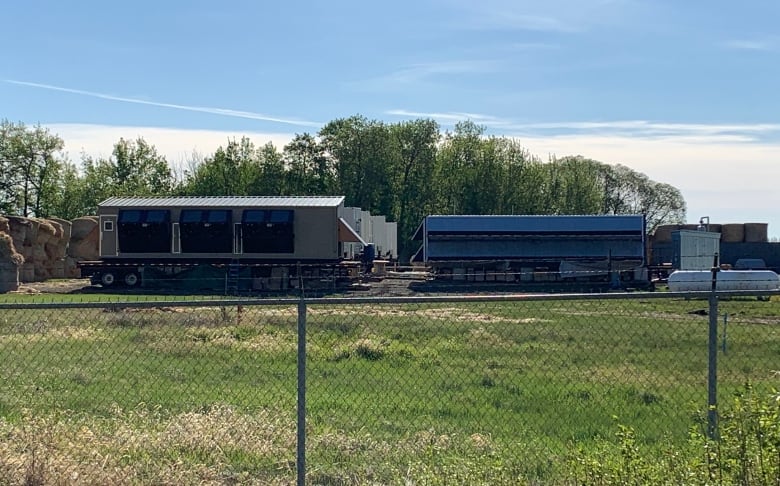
(84, 239)
(756, 232)
(46, 232)
(714, 227)
(56, 246)
(732, 233)
(83, 226)
(663, 234)
(84, 250)
(66, 227)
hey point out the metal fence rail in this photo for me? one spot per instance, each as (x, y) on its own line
(473, 389)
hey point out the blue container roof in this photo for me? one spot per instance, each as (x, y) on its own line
(530, 224)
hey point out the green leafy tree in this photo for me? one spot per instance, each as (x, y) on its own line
(523, 181)
(458, 163)
(71, 198)
(231, 171)
(414, 146)
(309, 170)
(626, 191)
(271, 178)
(580, 186)
(362, 158)
(30, 161)
(134, 169)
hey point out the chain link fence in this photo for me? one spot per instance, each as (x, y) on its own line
(432, 390)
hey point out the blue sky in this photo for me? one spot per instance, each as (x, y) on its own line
(684, 91)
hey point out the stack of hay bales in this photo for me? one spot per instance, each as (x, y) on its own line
(83, 245)
(42, 243)
(45, 238)
(60, 252)
(23, 232)
(10, 259)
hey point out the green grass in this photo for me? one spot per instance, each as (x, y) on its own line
(478, 393)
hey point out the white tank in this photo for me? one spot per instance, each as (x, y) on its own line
(701, 280)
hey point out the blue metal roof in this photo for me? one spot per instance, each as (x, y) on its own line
(537, 224)
(223, 201)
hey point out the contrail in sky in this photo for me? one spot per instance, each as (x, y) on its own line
(201, 109)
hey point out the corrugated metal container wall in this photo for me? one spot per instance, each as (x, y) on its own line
(392, 239)
(379, 233)
(695, 250)
(534, 237)
(353, 217)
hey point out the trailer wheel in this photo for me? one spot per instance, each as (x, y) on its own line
(107, 279)
(131, 279)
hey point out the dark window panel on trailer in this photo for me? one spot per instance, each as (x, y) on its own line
(268, 231)
(144, 231)
(206, 231)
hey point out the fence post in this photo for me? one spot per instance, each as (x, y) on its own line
(301, 445)
(712, 348)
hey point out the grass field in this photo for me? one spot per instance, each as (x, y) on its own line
(457, 392)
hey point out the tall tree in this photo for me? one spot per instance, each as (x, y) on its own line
(134, 169)
(459, 160)
(137, 169)
(231, 171)
(309, 170)
(71, 198)
(629, 192)
(580, 191)
(361, 156)
(270, 180)
(414, 145)
(523, 181)
(31, 162)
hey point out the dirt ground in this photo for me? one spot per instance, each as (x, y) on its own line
(58, 286)
(385, 287)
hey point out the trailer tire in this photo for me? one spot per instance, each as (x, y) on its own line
(131, 279)
(107, 279)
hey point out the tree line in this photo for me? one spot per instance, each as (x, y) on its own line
(402, 170)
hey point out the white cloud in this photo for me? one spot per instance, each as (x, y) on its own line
(446, 118)
(176, 144)
(766, 44)
(202, 109)
(551, 16)
(425, 72)
(509, 19)
(692, 132)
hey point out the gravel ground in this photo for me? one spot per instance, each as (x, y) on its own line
(58, 286)
(384, 287)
